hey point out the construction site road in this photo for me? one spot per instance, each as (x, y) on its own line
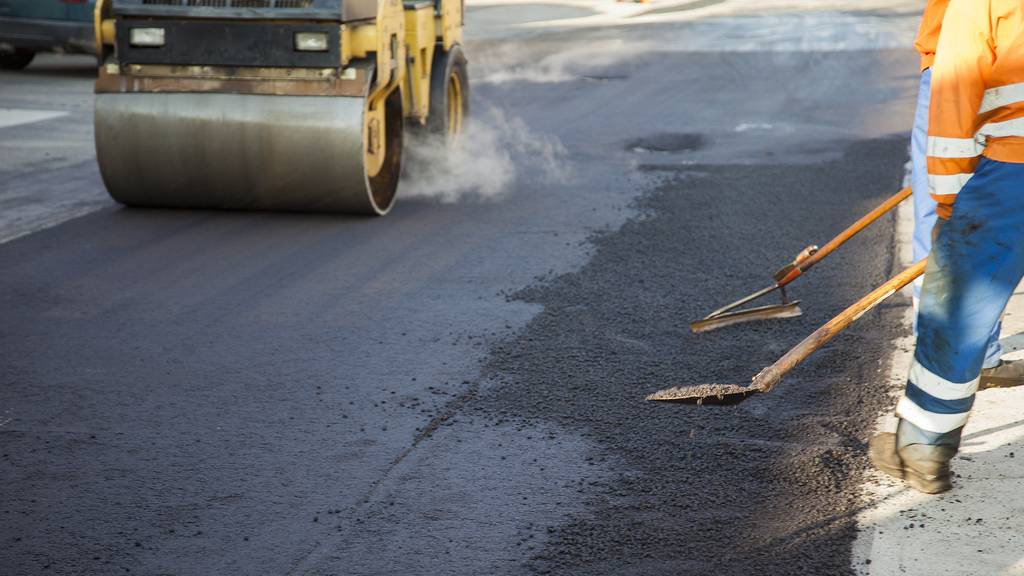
(457, 388)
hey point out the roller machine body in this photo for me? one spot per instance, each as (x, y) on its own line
(271, 104)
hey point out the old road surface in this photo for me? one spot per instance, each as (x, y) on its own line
(457, 388)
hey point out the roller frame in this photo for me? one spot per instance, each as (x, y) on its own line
(263, 137)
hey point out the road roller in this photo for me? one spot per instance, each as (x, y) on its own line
(297, 105)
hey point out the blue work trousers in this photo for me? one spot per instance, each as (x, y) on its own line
(924, 205)
(974, 266)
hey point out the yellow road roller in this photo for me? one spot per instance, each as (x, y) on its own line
(296, 105)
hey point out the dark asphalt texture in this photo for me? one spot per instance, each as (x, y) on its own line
(458, 388)
(766, 487)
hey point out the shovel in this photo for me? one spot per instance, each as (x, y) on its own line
(772, 375)
(804, 261)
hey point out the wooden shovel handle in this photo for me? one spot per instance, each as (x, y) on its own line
(818, 255)
(770, 376)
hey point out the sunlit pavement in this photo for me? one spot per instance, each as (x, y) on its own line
(48, 169)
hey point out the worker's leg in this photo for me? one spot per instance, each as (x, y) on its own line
(924, 205)
(924, 212)
(975, 265)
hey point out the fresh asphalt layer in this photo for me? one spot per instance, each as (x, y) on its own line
(457, 388)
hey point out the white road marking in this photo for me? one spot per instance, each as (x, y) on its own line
(16, 117)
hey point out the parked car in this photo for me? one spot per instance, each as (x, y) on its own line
(31, 26)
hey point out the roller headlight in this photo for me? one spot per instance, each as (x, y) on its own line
(311, 41)
(147, 37)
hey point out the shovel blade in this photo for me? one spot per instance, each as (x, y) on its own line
(722, 394)
(790, 310)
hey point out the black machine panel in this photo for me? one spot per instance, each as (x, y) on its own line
(227, 43)
(336, 10)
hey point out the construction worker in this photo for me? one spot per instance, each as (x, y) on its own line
(995, 372)
(975, 159)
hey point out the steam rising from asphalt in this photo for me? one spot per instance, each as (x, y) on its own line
(493, 152)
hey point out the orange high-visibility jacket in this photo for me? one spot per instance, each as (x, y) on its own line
(977, 102)
(928, 33)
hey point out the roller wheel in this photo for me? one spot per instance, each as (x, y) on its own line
(385, 183)
(16, 60)
(449, 93)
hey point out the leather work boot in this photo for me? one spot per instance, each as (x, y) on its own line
(924, 467)
(1004, 375)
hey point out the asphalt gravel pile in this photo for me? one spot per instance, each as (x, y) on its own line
(768, 486)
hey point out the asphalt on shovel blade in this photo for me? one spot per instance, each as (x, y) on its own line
(720, 394)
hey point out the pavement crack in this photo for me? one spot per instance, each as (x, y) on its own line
(450, 410)
(321, 550)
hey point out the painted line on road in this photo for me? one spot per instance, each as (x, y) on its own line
(16, 117)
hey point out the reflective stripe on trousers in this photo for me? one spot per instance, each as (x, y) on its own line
(975, 265)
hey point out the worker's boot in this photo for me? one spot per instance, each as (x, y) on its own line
(1006, 374)
(923, 466)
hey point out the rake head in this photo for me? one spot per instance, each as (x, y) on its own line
(787, 310)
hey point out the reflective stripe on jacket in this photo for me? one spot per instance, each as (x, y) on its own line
(977, 102)
(928, 33)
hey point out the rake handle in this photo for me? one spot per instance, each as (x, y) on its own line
(815, 256)
(770, 376)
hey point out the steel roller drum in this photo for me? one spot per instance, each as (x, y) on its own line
(238, 151)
